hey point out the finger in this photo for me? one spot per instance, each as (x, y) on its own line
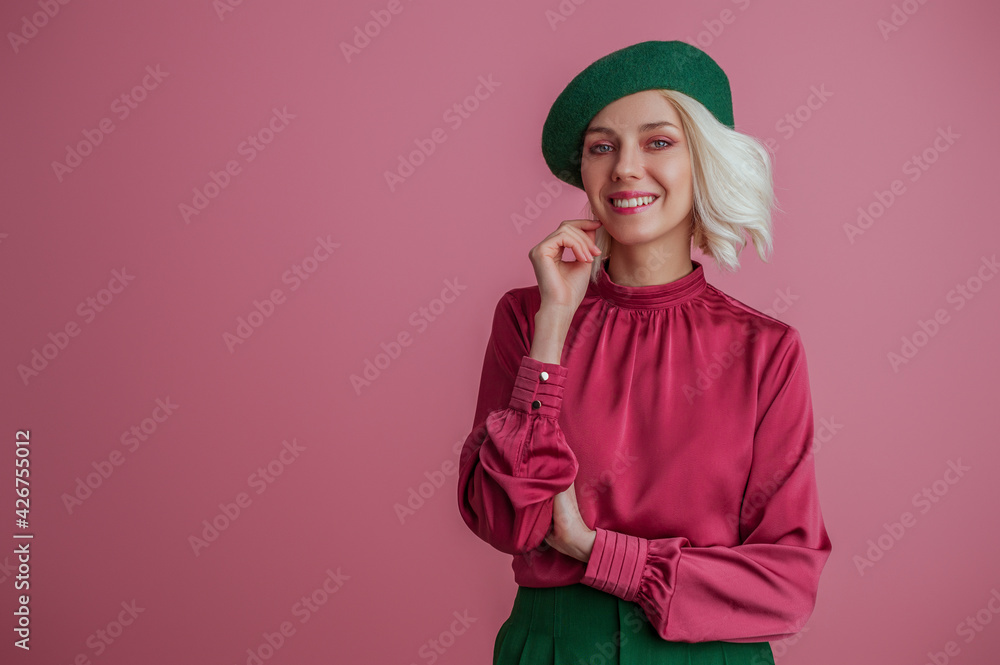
(583, 223)
(581, 251)
(586, 227)
(579, 243)
(568, 241)
(589, 243)
(560, 239)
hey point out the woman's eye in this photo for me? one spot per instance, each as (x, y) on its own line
(660, 144)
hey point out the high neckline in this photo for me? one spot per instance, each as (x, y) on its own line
(655, 296)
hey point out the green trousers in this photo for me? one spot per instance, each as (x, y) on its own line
(579, 625)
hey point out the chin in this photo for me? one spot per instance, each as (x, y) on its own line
(637, 235)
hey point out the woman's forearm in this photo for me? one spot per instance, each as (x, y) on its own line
(551, 328)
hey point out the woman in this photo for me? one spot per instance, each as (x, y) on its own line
(642, 441)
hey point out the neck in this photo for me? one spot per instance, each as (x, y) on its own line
(647, 265)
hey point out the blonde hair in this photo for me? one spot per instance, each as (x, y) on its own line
(733, 188)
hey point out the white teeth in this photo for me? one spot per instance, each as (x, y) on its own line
(632, 203)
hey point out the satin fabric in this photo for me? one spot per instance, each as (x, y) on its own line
(685, 419)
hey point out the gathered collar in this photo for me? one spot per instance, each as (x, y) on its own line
(656, 296)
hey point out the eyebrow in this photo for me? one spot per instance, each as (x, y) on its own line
(642, 128)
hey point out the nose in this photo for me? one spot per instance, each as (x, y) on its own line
(628, 164)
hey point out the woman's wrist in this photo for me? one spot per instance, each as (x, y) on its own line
(551, 328)
(587, 545)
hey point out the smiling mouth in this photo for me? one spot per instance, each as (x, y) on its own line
(633, 203)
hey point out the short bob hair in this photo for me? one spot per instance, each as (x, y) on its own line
(733, 188)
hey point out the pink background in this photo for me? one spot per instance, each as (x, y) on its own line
(361, 452)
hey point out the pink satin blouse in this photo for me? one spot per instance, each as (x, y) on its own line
(685, 419)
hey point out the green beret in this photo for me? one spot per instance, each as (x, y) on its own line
(649, 65)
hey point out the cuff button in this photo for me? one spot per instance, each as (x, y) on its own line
(536, 404)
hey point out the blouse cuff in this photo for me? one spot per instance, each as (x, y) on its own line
(538, 387)
(616, 563)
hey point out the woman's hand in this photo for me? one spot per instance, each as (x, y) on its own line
(563, 284)
(569, 534)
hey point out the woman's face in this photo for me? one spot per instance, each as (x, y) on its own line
(635, 148)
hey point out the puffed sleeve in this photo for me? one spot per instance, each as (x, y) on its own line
(516, 459)
(765, 587)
